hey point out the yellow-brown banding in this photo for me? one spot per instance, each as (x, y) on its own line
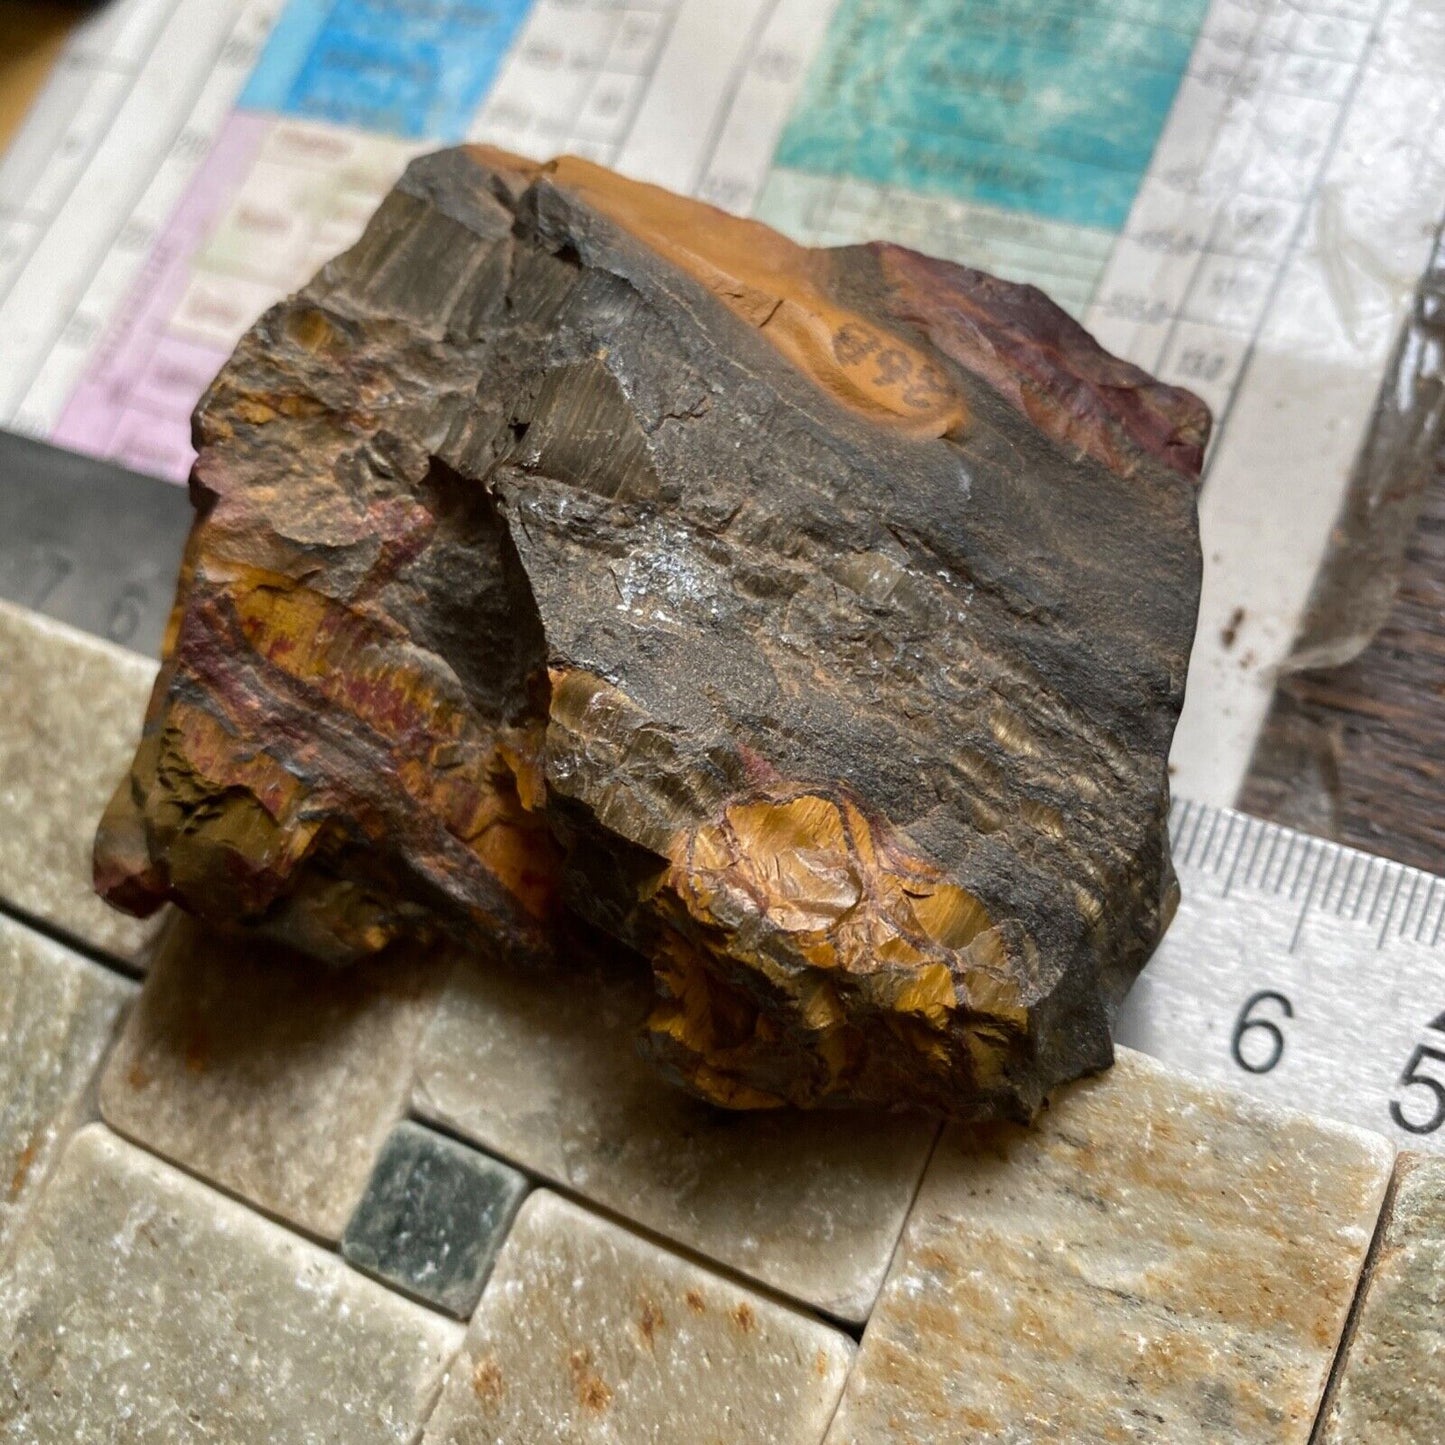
(862, 911)
(485, 786)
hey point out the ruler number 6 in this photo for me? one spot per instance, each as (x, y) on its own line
(1246, 1023)
(1412, 1078)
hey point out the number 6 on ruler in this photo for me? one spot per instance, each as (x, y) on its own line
(1244, 1024)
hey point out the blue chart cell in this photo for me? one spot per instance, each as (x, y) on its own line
(1046, 106)
(417, 68)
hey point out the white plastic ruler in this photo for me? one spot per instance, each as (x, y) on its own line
(1301, 971)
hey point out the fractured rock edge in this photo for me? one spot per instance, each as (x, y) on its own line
(813, 622)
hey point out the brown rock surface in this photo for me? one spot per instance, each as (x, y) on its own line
(815, 623)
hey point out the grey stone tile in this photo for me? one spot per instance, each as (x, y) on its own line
(588, 1333)
(1160, 1260)
(271, 1075)
(58, 1012)
(433, 1217)
(1389, 1386)
(145, 1308)
(72, 712)
(543, 1070)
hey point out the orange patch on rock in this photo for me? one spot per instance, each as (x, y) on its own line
(775, 285)
(866, 917)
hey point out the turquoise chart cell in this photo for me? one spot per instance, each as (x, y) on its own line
(410, 69)
(1047, 106)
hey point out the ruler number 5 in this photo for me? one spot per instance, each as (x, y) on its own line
(1246, 1023)
(1412, 1078)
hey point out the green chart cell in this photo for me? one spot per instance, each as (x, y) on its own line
(1051, 107)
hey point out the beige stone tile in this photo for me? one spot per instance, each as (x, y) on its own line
(72, 714)
(58, 1012)
(145, 1308)
(543, 1070)
(1389, 1386)
(268, 1074)
(1159, 1261)
(588, 1333)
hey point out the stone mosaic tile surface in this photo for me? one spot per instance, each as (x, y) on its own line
(144, 1307)
(1159, 1261)
(588, 1333)
(276, 1078)
(1389, 1386)
(544, 1072)
(72, 709)
(57, 1014)
(433, 1217)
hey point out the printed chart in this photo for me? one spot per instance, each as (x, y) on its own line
(1019, 132)
(1236, 194)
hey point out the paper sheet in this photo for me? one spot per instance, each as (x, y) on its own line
(1236, 194)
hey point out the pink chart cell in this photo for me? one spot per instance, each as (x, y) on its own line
(159, 446)
(132, 403)
(177, 372)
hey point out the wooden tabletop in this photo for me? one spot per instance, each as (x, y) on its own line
(1354, 747)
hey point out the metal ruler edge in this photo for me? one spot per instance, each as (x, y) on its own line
(88, 542)
(1302, 971)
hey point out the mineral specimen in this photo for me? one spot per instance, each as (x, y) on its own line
(813, 623)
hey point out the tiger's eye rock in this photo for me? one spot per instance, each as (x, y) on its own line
(813, 623)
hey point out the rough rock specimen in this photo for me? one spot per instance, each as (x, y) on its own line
(814, 623)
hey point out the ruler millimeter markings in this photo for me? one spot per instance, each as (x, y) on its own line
(1304, 972)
